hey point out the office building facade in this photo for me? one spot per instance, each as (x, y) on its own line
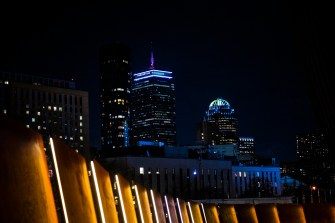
(220, 125)
(184, 178)
(311, 146)
(246, 145)
(199, 179)
(314, 159)
(114, 95)
(246, 151)
(50, 106)
(153, 107)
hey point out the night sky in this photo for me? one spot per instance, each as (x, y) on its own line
(243, 52)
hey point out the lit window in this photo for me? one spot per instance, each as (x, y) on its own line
(49, 108)
(141, 170)
(27, 112)
(27, 126)
(60, 109)
(239, 173)
(71, 138)
(55, 108)
(38, 113)
(81, 138)
(80, 117)
(38, 127)
(5, 111)
(33, 119)
(80, 124)
(6, 82)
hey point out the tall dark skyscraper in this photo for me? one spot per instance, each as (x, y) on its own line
(219, 126)
(114, 95)
(153, 107)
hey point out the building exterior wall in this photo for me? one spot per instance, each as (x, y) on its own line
(48, 109)
(220, 125)
(114, 95)
(246, 145)
(256, 181)
(311, 146)
(153, 107)
(185, 178)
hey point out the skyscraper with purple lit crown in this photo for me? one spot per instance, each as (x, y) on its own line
(153, 107)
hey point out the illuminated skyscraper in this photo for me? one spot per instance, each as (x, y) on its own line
(153, 107)
(219, 126)
(114, 95)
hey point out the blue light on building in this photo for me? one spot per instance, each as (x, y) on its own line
(219, 126)
(153, 112)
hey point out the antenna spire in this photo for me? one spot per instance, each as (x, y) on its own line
(152, 61)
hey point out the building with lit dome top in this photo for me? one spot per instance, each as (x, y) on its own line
(219, 126)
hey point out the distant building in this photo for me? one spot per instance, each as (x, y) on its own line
(199, 179)
(184, 178)
(114, 95)
(246, 150)
(256, 181)
(311, 146)
(315, 162)
(246, 145)
(219, 126)
(153, 106)
(50, 106)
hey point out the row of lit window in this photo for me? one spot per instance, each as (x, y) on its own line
(49, 96)
(53, 108)
(194, 171)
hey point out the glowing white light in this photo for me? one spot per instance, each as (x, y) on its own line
(139, 203)
(161, 72)
(189, 208)
(58, 180)
(98, 192)
(203, 212)
(167, 208)
(141, 78)
(181, 216)
(121, 199)
(154, 204)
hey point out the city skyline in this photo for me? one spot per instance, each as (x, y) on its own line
(238, 52)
